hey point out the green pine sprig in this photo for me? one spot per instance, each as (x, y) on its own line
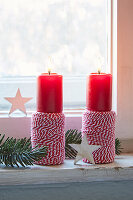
(16, 152)
(118, 146)
(75, 137)
(72, 137)
(19, 151)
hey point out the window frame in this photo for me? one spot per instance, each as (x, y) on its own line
(73, 107)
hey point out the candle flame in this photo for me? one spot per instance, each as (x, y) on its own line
(99, 70)
(100, 61)
(49, 71)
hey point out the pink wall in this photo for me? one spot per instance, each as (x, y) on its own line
(125, 68)
(21, 127)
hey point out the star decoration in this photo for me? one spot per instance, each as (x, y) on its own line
(18, 102)
(85, 150)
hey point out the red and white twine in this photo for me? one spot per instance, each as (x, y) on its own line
(48, 129)
(100, 130)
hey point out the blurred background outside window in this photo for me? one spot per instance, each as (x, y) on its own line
(68, 36)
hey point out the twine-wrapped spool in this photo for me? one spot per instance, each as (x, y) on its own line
(100, 130)
(48, 129)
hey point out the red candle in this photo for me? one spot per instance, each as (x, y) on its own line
(49, 93)
(99, 92)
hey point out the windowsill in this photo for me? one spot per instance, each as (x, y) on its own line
(121, 169)
(67, 112)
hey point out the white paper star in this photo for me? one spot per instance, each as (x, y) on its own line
(85, 150)
(18, 102)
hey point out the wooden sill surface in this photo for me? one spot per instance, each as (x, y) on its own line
(120, 169)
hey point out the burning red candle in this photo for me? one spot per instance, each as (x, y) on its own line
(49, 93)
(99, 92)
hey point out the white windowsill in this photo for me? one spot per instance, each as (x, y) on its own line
(19, 114)
(121, 169)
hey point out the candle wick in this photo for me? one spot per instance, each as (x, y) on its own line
(49, 71)
(99, 70)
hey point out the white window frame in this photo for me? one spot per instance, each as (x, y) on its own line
(73, 81)
(77, 80)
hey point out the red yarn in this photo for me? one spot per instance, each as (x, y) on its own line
(100, 130)
(48, 129)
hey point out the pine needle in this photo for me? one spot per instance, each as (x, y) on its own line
(72, 137)
(16, 152)
(19, 151)
(118, 146)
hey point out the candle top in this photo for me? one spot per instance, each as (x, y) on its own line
(97, 73)
(49, 72)
(49, 75)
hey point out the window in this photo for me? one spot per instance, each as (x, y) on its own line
(70, 36)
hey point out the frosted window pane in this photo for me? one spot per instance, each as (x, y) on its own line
(73, 33)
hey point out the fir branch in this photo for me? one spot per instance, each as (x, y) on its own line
(73, 137)
(118, 146)
(19, 151)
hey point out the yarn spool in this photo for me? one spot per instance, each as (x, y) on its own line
(100, 130)
(47, 129)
